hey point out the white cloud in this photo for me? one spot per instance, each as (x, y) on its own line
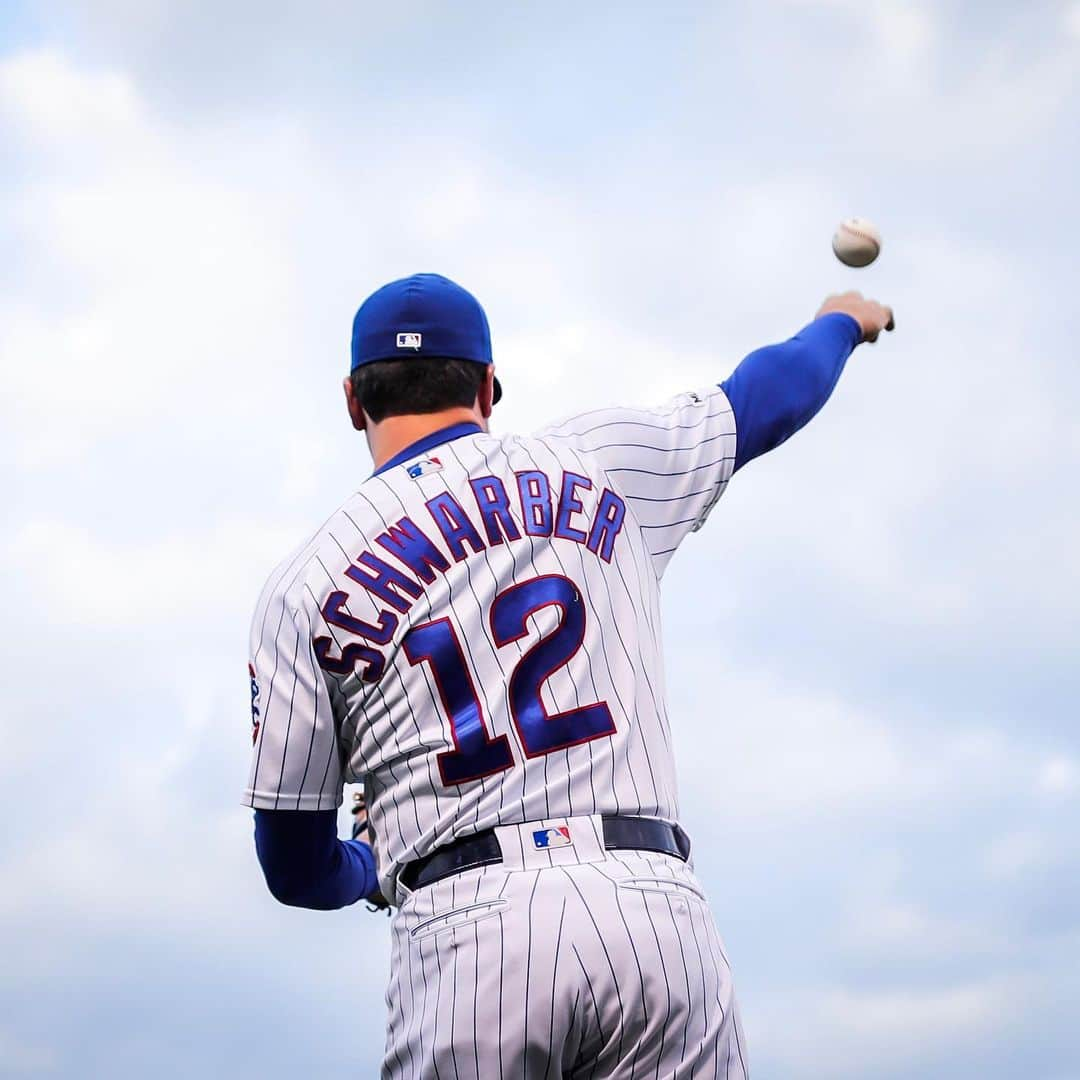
(909, 30)
(908, 90)
(1071, 19)
(896, 32)
(55, 106)
(1018, 852)
(1058, 776)
(848, 1032)
(789, 752)
(882, 927)
(887, 1023)
(104, 584)
(173, 282)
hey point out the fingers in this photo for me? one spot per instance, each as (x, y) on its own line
(848, 302)
(884, 321)
(880, 318)
(871, 316)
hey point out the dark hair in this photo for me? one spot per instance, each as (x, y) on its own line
(416, 385)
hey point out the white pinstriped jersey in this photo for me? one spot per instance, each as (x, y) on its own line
(475, 634)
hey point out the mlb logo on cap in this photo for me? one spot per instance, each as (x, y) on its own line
(552, 838)
(409, 341)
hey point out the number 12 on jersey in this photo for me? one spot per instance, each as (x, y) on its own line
(476, 754)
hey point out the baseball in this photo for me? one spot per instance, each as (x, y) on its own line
(856, 242)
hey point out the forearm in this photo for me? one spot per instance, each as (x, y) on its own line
(778, 389)
(306, 865)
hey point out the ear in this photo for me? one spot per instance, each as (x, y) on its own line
(485, 396)
(356, 412)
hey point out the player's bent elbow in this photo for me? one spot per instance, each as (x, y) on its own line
(292, 894)
(293, 887)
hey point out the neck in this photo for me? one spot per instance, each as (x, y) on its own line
(390, 436)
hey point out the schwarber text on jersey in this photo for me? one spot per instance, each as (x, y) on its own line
(567, 509)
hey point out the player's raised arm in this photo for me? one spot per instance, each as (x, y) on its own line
(671, 464)
(778, 389)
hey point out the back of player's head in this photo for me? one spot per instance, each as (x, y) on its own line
(419, 345)
(405, 388)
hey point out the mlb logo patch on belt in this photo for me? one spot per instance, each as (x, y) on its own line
(552, 838)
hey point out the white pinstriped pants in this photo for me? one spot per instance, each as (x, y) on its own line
(561, 962)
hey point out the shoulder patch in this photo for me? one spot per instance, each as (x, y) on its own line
(254, 704)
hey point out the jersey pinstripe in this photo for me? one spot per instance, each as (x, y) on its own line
(474, 635)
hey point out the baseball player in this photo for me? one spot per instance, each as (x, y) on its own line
(474, 636)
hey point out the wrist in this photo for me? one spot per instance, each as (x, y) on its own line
(847, 322)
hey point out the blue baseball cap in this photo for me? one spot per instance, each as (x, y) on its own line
(418, 316)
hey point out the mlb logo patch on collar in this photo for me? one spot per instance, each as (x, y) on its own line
(423, 467)
(552, 838)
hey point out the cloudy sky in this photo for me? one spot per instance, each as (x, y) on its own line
(872, 649)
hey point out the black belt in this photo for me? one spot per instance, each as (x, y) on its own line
(482, 848)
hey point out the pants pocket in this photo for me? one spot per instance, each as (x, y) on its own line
(463, 916)
(666, 886)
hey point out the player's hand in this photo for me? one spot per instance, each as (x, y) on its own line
(869, 314)
(377, 902)
(362, 831)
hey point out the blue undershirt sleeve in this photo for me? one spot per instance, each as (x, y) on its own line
(306, 865)
(778, 389)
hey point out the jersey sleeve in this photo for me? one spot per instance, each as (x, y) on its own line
(670, 464)
(296, 760)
